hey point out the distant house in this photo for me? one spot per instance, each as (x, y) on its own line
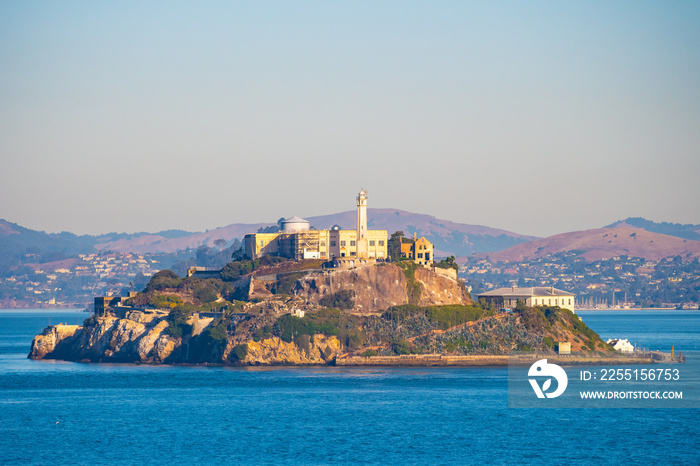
(507, 298)
(623, 346)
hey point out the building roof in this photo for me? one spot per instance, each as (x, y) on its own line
(295, 219)
(516, 292)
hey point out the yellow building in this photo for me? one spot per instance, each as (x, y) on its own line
(298, 241)
(420, 251)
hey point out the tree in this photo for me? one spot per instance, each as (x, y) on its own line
(220, 243)
(394, 245)
(239, 255)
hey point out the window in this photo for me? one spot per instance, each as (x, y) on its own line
(332, 243)
(323, 243)
(352, 253)
(371, 242)
(381, 242)
(262, 242)
(342, 244)
(352, 243)
(420, 255)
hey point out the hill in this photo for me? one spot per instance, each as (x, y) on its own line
(685, 231)
(602, 243)
(448, 237)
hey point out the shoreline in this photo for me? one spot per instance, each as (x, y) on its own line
(420, 360)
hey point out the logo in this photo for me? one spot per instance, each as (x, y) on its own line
(542, 369)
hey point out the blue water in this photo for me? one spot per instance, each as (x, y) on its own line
(70, 413)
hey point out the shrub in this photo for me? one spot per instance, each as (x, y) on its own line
(401, 346)
(163, 279)
(369, 353)
(343, 299)
(443, 317)
(165, 301)
(448, 263)
(285, 284)
(178, 325)
(239, 352)
(413, 290)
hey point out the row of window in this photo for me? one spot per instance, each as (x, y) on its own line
(549, 302)
(343, 243)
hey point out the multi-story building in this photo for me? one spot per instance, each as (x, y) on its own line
(420, 251)
(297, 240)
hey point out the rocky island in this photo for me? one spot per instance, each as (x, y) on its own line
(300, 295)
(272, 311)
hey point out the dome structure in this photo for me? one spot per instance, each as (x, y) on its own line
(295, 223)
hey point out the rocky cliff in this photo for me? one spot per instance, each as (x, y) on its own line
(377, 288)
(381, 310)
(140, 337)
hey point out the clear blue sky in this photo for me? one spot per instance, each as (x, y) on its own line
(536, 117)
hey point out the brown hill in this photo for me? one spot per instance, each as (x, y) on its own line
(602, 243)
(449, 237)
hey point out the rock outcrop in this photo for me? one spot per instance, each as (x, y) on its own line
(438, 289)
(138, 337)
(274, 351)
(377, 288)
(53, 338)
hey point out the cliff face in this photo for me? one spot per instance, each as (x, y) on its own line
(439, 290)
(274, 351)
(141, 338)
(138, 337)
(52, 339)
(380, 287)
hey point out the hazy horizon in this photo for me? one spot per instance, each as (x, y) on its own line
(537, 118)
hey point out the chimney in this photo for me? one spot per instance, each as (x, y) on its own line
(513, 288)
(415, 236)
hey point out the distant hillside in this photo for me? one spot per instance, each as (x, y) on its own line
(686, 231)
(449, 237)
(603, 243)
(159, 243)
(19, 245)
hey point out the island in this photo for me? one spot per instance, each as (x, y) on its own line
(303, 296)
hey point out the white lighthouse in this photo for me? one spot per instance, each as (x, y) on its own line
(362, 224)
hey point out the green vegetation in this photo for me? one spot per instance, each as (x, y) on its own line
(401, 346)
(243, 266)
(443, 317)
(177, 323)
(163, 279)
(448, 263)
(368, 353)
(394, 246)
(413, 290)
(343, 299)
(164, 301)
(239, 352)
(327, 322)
(285, 284)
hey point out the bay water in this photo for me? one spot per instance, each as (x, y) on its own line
(55, 412)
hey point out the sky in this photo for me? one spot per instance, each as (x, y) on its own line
(537, 117)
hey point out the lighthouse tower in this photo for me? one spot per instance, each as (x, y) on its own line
(362, 224)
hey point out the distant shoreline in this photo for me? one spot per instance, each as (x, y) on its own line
(608, 309)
